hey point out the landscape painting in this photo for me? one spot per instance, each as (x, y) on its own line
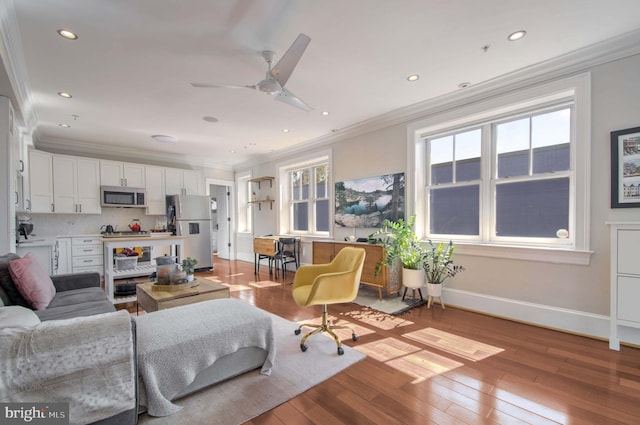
(368, 202)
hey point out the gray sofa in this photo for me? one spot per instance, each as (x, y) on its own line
(77, 295)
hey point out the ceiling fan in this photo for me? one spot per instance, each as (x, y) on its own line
(276, 77)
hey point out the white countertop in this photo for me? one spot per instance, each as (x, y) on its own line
(37, 241)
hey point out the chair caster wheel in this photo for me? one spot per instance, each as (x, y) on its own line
(297, 331)
(354, 337)
(303, 348)
(340, 351)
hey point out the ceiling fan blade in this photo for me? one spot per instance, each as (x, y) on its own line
(283, 69)
(222, 86)
(285, 96)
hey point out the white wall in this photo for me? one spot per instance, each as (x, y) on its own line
(570, 297)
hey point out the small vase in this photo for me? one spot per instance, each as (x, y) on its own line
(190, 277)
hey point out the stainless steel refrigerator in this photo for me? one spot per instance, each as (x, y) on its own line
(190, 215)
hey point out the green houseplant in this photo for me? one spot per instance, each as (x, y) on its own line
(438, 266)
(401, 243)
(188, 266)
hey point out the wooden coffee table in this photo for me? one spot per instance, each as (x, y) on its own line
(152, 299)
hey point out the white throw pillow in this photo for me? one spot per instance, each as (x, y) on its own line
(15, 316)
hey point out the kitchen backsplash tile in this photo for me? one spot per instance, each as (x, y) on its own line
(76, 224)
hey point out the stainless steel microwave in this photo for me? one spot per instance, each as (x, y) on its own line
(127, 197)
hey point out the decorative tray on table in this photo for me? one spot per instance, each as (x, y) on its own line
(175, 286)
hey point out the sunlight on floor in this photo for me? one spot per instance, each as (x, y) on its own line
(378, 319)
(264, 284)
(408, 359)
(454, 344)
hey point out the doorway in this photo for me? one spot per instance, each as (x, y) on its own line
(221, 221)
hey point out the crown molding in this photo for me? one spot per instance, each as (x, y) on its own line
(15, 65)
(562, 66)
(125, 154)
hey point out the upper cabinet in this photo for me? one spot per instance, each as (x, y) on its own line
(183, 182)
(41, 181)
(113, 173)
(76, 185)
(156, 199)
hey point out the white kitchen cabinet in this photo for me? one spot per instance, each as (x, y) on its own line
(113, 173)
(625, 279)
(42, 252)
(22, 175)
(87, 254)
(156, 199)
(41, 181)
(8, 193)
(62, 256)
(183, 182)
(76, 185)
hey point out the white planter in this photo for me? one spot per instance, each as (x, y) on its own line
(190, 278)
(434, 289)
(412, 279)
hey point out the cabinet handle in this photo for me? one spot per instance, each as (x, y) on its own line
(80, 207)
(17, 197)
(53, 208)
(21, 165)
(29, 204)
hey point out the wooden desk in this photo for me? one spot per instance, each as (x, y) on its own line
(151, 299)
(267, 247)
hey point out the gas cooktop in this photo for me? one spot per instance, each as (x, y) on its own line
(126, 234)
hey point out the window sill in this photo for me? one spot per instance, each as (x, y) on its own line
(512, 252)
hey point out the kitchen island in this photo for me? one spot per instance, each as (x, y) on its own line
(110, 273)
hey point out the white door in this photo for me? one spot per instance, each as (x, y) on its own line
(223, 221)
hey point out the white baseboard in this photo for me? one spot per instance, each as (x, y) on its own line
(573, 321)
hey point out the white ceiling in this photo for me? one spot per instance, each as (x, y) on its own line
(130, 69)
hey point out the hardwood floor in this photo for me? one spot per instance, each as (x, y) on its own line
(434, 366)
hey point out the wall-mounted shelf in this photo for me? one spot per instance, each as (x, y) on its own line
(259, 180)
(262, 201)
(263, 179)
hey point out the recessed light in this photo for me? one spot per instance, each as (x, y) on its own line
(517, 35)
(210, 119)
(285, 130)
(69, 35)
(64, 125)
(232, 151)
(65, 95)
(464, 85)
(164, 139)
(413, 77)
(325, 113)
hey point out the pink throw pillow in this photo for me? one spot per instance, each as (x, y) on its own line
(32, 281)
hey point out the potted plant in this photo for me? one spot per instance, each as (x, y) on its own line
(402, 244)
(188, 266)
(438, 266)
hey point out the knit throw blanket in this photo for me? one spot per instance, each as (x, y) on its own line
(86, 362)
(175, 345)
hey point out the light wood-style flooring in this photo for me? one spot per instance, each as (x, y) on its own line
(434, 366)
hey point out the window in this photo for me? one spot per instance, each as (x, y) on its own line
(507, 171)
(244, 207)
(309, 199)
(305, 190)
(527, 186)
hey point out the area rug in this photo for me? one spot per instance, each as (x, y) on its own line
(249, 395)
(392, 304)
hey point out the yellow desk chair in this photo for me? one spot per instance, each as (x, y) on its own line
(333, 283)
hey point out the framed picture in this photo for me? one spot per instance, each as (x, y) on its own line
(368, 202)
(625, 168)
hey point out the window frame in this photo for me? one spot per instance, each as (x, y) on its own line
(492, 109)
(286, 201)
(245, 207)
